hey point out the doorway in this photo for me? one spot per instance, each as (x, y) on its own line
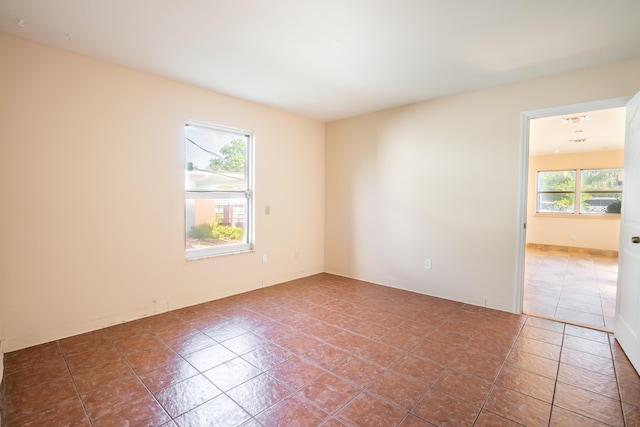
(569, 269)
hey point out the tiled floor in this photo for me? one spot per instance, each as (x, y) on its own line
(327, 351)
(572, 287)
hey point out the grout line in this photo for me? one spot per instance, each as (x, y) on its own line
(75, 385)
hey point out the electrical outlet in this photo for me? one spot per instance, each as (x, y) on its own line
(572, 237)
(427, 264)
(265, 258)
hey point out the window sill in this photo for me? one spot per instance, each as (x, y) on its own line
(578, 216)
(204, 254)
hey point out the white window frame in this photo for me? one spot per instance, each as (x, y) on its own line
(247, 194)
(577, 192)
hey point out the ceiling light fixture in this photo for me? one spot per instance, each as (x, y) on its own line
(578, 140)
(575, 119)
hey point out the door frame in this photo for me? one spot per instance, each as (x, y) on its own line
(525, 117)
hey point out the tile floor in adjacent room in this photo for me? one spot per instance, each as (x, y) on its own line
(573, 287)
(327, 351)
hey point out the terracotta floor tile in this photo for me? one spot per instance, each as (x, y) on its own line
(489, 419)
(325, 355)
(322, 330)
(224, 331)
(629, 389)
(145, 341)
(267, 356)
(588, 380)
(210, 357)
(96, 340)
(589, 404)
(335, 352)
(494, 347)
(292, 411)
(527, 383)
(69, 412)
(588, 346)
(444, 410)
(399, 389)
(420, 369)
(183, 396)
(631, 414)
(539, 348)
(295, 373)
(359, 372)
(561, 417)
(479, 365)
(220, 411)
(31, 400)
(92, 378)
(467, 387)
(191, 343)
(518, 407)
(413, 421)
(145, 412)
(259, 393)
(111, 395)
(401, 339)
(51, 371)
(231, 373)
(541, 334)
(381, 354)
(144, 361)
(349, 342)
(369, 411)
(591, 362)
(88, 360)
(166, 375)
(439, 352)
(329, 392)
(22, 359)
(590, 334)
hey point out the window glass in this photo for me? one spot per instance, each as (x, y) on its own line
(586, 191)
(601, 190)
(218, 196)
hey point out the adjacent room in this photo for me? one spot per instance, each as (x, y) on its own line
(289, 213)
(571, 267)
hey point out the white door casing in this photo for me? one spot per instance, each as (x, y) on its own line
(627, 326)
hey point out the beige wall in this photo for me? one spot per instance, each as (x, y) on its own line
(593, 232)
(439, 180)
(91, 189)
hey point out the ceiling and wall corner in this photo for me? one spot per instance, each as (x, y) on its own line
(335, 59)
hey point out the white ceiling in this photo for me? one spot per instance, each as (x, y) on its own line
(331, 59)
(604, 130)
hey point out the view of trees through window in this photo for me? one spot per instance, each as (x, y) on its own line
(584, 191)
(217, 190)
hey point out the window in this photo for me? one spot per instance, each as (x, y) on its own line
(584, 191)
(218, 191)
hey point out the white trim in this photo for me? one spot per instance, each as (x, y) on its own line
(247, 193)
(525, 117)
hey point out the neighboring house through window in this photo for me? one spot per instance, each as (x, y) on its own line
(581, 191)
(218, 190)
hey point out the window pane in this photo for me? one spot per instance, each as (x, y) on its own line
(601, 180)
(215, 159)
(215, 222)
(557, 181)
(600, 203)
(550, 202)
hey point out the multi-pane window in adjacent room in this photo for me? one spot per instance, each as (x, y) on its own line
(581, 191)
